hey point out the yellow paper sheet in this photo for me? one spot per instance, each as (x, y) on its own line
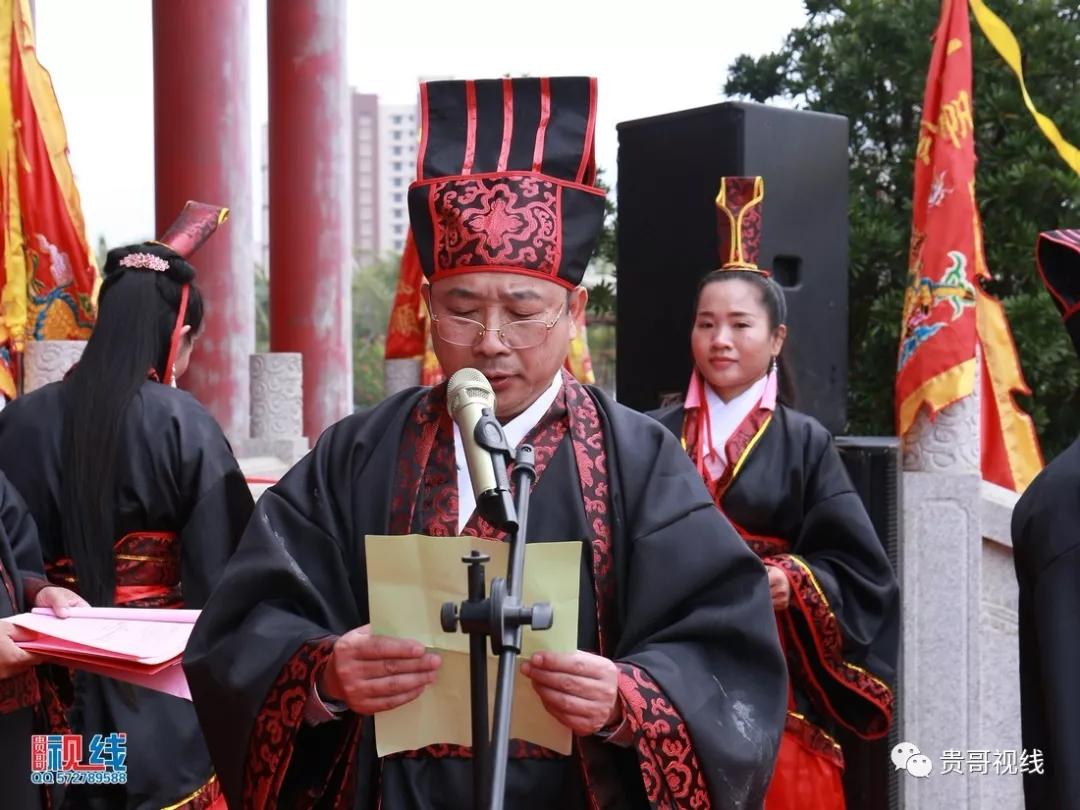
(409, 579)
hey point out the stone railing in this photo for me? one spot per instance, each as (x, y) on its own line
(959, 674)
(46, 361)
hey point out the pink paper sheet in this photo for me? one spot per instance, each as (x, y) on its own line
(169, 679)
(137, 637)
(77, 659)
(141, 646)
(138, 614)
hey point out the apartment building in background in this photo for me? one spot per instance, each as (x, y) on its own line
(398, 142)
(383, 139)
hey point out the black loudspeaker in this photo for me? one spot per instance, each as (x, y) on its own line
(874, 464)
(669, 173)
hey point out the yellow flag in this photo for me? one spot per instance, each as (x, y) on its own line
(1005, 43)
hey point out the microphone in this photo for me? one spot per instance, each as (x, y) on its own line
(467, 395)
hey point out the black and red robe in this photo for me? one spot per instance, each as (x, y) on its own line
(1046, 548)
(668, 591)
(24, 698)
(181, 505)
(786, 491)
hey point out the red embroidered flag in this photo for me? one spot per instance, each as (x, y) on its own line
(408, 334)
(941, 327)
(47, 273)
(405, 331)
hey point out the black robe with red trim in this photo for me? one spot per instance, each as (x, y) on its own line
(20, 696)
(1046, 549)
(690, 625)
(181, 506)
(793, 503)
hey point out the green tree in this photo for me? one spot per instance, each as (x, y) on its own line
(601, 280)
(373, 288)
(867, 60)
(262, 308)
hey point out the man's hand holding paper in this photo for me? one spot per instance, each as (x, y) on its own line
(579, 689)
(372, 674)
(409, 578)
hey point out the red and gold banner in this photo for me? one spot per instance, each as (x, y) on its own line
(946, 313)
(47, 274)
(578, 359)
(937, 341)
(408, 335)
(405, 333)
(1011, 456)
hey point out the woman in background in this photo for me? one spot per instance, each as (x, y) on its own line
(776, 474)
(137, 497)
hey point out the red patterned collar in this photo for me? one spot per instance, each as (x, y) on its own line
(736, 450)
(424, 496)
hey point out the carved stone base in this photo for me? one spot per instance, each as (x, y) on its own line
(46, 361)
(951, 443)
(277, 395)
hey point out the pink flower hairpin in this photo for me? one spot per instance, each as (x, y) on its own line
(144, 261)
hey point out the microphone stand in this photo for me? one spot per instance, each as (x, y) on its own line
(500, 616)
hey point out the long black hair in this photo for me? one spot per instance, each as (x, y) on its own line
(771, 297)
(137, 311)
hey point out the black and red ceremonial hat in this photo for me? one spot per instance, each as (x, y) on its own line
(505, 178)
(1057, 254)
(738, 222)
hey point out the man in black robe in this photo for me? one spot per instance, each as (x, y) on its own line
(676, 695)
(1046, 548)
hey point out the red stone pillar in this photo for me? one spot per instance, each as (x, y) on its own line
(202, 151)
(310, 197)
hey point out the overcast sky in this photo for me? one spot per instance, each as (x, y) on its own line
(100, 56)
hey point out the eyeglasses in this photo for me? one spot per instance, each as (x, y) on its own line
(460, 331)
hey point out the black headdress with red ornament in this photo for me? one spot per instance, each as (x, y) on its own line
(1057, 254)
(505, 178)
